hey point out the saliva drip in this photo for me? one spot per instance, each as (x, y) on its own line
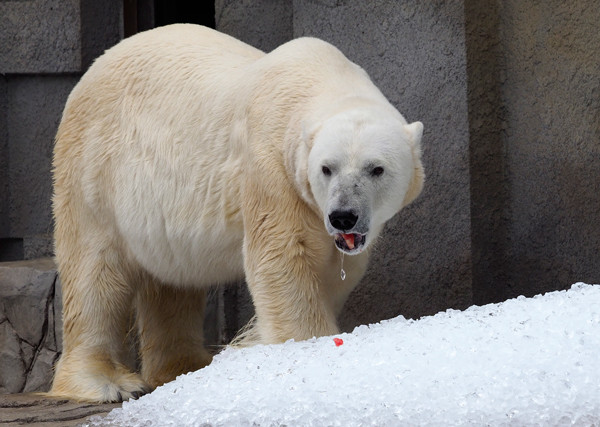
(342, 272)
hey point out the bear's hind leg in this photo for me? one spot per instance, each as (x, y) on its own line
(97, 308)
(170, 325)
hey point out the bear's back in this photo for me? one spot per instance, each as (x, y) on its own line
(144, 146)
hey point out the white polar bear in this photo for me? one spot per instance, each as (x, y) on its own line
(185, 159)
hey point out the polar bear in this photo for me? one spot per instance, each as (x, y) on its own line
(185, 159)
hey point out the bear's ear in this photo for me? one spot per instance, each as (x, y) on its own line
(296, 151)
(309, 130)
(416, 184)
(415, 130)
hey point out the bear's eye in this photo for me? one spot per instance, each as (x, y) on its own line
(326, 171)
(378, 171)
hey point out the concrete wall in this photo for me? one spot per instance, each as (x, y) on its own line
(56, 36)
(45, 45)
(36, 104)
(264, 24)
(534, 109)
(40, 36)
(508, 92)
(509, 95)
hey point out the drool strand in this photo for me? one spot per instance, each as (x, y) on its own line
(342, 272)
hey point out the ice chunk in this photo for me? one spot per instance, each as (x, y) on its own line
(527, 361)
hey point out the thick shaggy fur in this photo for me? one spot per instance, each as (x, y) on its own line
(181, 162)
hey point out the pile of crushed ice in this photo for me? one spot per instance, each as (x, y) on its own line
(527, 361)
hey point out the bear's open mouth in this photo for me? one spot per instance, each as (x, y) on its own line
(350, 243)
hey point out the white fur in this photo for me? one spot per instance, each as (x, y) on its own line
(186, 158)
(351, 144)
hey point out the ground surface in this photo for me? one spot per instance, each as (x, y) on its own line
(34, 410)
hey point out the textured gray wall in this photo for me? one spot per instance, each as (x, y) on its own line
(509, 95)
(534, 101)
(508, 92)
(264, 24)
(56, 36)
(45, 45)
(101, 28)
(39, 36)
(36, 104)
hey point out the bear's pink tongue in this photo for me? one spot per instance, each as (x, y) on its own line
(349, 238)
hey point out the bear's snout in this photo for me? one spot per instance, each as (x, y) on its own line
(343, 220)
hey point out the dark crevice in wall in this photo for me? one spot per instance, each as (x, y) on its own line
(489, 194)
(231, 312)
(101, 28)
(11, 249)
(4, 164)
(44, 336)
(142, 15)
(52, 305)
(183, 11)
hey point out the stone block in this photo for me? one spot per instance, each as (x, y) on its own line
(214, 320)
(28, 347)
(41, 372)
(12, 365)
(238, 308)
(27, 291)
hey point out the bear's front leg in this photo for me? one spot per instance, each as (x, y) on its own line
(284, 249)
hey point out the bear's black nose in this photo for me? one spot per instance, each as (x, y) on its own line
(343, 220)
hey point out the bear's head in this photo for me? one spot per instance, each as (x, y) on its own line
(364, 165)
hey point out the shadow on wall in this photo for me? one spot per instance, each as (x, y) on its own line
(534, 122)
(489, 196)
